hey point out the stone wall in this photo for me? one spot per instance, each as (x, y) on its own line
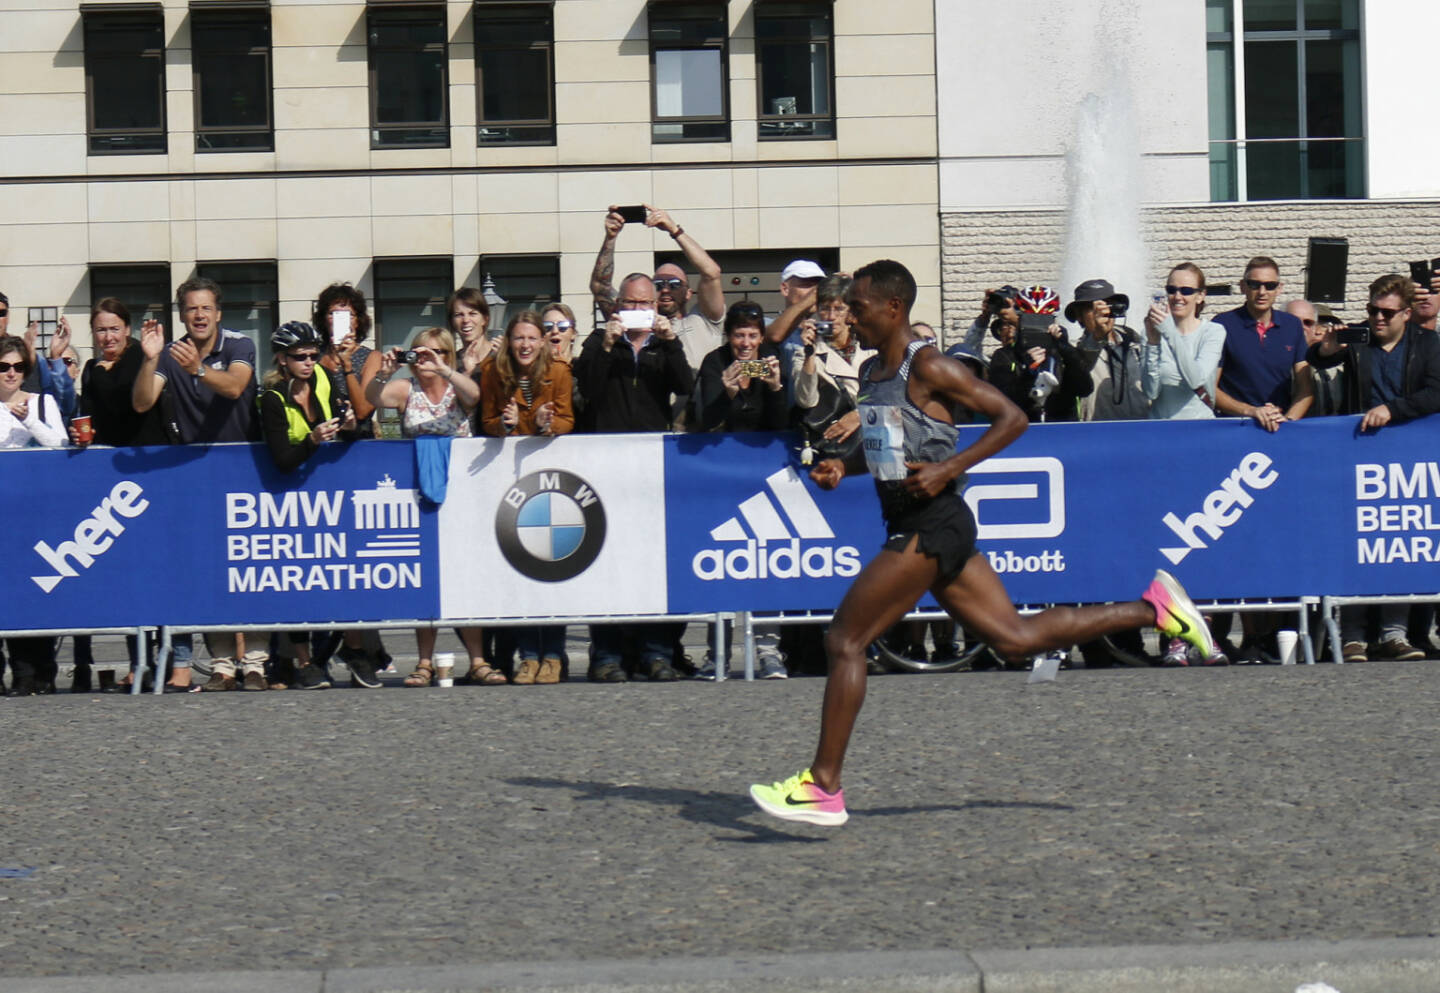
(982, 249)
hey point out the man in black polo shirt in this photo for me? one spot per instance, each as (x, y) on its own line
(207, 380)
(1392, 379)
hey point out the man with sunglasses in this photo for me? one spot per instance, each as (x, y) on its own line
(1391, 379)
(698, 328)
(1262, 369)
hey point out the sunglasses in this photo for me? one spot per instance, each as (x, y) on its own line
(1184, 291)
(672, 284)
(302, 356)
(1386, 312)
(1268, 284)
(5, 312)
(68, 360)
(12, 367)
(557, 325)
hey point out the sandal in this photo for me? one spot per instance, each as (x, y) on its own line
(485, 675)
(423, 675)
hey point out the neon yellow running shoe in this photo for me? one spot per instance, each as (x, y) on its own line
(799, 799)
(1175, 615)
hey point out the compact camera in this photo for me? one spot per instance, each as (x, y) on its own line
(410, 356)
(825, 329)
(1353, 334)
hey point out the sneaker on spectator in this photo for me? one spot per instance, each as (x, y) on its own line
(309, 677)
(771, 666)
(362, 674)
(707, 671)
(1400, 650)
(255, 682)
(1355, 651)
(1178, 653)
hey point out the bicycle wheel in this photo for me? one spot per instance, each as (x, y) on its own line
(901, 660)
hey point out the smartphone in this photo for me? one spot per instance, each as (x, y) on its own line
(340, 327)
(1420, 272)
(636, 320)
(754, 368)
(632, 215)
(1353, 334)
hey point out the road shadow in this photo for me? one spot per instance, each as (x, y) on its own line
(737, 813)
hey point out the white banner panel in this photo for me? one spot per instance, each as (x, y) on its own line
(548, 526)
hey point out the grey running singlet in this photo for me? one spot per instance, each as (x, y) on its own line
(894, 430)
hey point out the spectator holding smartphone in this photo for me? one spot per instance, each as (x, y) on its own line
(1182, 349)
(739, 387)
(343, 321)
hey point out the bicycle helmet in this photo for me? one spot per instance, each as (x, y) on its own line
(293, 333)
(1037, 300)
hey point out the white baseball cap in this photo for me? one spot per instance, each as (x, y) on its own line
(802, 269)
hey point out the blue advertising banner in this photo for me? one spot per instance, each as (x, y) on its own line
(601, 525)
(197, 535)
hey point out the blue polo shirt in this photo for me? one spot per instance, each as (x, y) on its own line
(1257, 370)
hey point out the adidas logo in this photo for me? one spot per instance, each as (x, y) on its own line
(764, 546)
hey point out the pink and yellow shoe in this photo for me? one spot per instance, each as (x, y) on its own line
(799, 799)
(1175, 615)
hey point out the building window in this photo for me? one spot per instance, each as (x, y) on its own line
(124, 78)
(410, 297)
(144, 289)
(409, 103)
(251, 294)
(689, 73)
(793, 46)
(515, 73)
(1285, 100)
(524, 282)
(230, 59)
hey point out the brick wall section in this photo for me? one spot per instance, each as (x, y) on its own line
(991, 248)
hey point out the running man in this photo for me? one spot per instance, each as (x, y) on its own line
(909, 395)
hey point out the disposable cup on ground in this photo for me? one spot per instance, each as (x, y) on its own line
(444, 668)
(1287, 641)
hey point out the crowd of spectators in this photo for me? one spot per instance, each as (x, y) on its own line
(665, 355)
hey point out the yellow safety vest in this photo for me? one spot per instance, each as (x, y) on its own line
(297, 427)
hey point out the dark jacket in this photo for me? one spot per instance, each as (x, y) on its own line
(755, 408)
(1010, 374)
(626, 392)
(1421, 375)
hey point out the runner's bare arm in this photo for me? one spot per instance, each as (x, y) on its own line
(938, 384)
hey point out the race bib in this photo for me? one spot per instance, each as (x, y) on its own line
(883, 433)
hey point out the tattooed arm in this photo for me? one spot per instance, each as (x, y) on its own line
(602, 277)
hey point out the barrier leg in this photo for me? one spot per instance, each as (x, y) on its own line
(1332, 625)
(137, 681)
(162, 659)
(749, 626)
(717, 648)
(1305, 642)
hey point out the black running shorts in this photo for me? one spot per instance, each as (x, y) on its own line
(946, 529)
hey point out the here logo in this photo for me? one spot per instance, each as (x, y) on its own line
(1222, 507)
(93, 535)
(763, 546)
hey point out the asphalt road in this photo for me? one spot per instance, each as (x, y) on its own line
(345, 828)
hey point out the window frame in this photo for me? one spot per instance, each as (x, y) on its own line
(515, 10)
(94, 20)
(443, 274)
(137, 274)
(397, 10)
(689, 11)
(1232, 43)
(229, 273)
(765, 9)
(236, 10)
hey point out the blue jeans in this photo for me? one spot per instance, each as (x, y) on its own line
(544, 642)
(654, 641)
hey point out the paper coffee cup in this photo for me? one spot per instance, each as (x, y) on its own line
(444, 668)
(1287, 640)
(83, 430)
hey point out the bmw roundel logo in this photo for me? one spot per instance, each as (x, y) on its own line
(872, 416)
(550, 525)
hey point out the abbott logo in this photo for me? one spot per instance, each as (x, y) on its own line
(1221, 507)
(93, 536)
(1050, 504)
(766, 548)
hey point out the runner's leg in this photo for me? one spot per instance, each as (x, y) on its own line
(978, 600)
(883, 593)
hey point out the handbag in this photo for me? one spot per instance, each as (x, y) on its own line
(834, 403)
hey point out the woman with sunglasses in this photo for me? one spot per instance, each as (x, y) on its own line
(303, 405)
(1182, 350)
(26, 419)
(524, 390)
(435, 400)
(558, 323)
